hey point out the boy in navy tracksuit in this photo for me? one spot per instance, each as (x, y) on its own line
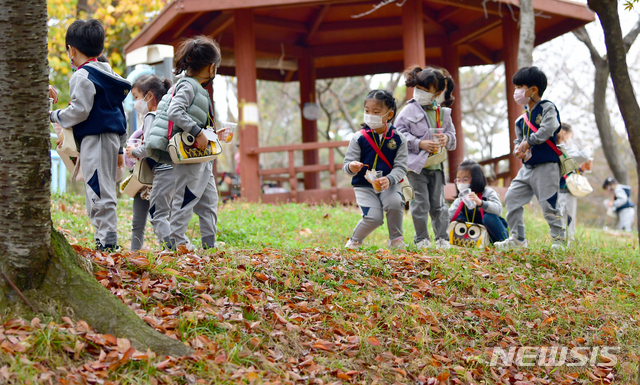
(97, 118)
(540, 174)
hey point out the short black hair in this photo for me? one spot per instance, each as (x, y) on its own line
(609, 181)
(566, 127)
(531, 76)
(87, 36)
(478, 180)
(386, 98)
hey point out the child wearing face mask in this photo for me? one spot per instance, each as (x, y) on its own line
(540, 176)
(488, 209)
(568, 203)
(378, 146)
(428, 127)
(147, 91)
(96, 117)
(189, 107)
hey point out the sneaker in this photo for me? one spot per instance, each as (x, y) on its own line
(353, 245)
(107, 248)
(559, 245)
(397, 243)
(423, 244)
(511, 243)
(442, 244)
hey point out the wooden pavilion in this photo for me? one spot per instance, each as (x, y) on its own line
(305, 40)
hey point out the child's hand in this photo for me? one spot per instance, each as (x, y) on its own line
(442, 139)
(202, 141)
(430, 146)
(521, 151)
(129, 151)
(355, 167)
(475, 198)
(120, 160)
(384, 183)
(53, 94)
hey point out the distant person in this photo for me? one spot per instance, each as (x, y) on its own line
(488, 207)
(540, 176)
(429, 130)
(96, 116)
(147, 91)
(568, 203)
(621, 202)
(378, 146)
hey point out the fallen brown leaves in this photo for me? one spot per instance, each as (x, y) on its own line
(324, 317)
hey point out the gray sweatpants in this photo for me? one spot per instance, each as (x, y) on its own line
(429, 200)
(138, 222)
(195, 192)
(373, 205)
(541, 182)
(99, 161)
(625, 218)
(568, 205)
(160, 202)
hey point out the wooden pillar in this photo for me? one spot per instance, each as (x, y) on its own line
(413, 36)
(245, 52)
(510, 37)
(451, 60)
(307, 78)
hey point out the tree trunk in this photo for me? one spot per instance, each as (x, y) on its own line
(607, 11)
(527, 33)
(34, 261)
(600, 111)
(608, 136)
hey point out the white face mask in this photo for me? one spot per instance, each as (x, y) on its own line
(463, 186)
(374, 121)
(141, 106)
(423, 98)
(440, 98)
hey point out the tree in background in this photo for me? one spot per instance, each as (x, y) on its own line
(122, 20)
(40, 271)
(608, 136)
(483, 105)
(607, 11)
(527, 34)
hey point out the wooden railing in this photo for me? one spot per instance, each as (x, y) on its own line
(497, 175)
(317, 195)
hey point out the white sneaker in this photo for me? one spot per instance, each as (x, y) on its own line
(511, 243)
(423, 244)
(559, 245)
(442, 244)
(397, 244)
(353, 245)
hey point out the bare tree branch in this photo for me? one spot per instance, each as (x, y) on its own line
(631, 36)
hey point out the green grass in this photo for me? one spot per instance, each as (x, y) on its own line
(281, 303)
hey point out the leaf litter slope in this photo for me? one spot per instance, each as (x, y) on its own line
(331, 316)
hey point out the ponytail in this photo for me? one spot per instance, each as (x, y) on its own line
(153, 84)
(195, 53)
(427, 77)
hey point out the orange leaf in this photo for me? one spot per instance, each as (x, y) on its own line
(547, 321)
(350, 282)
(251, 376)
(609, 330)
(112, 340)
(261, 277)
(373, 341)
(400, 371)
(343, 376)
